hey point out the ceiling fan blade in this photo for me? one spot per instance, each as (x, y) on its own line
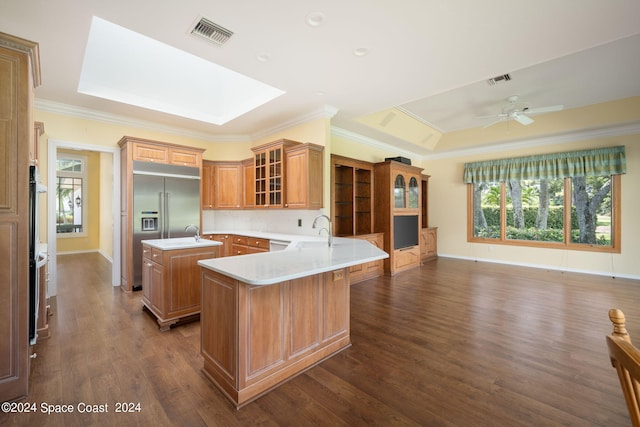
(522, 119)
(501, 119)
(548, 109)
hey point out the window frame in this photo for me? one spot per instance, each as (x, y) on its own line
(616, 226)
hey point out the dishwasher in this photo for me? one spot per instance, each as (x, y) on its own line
(278, 245)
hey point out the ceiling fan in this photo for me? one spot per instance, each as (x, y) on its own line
(519, 112)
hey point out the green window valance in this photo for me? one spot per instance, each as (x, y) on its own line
(596, 162)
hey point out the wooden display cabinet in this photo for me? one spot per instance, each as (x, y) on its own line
(351, 196)
(269, 173)
(398, 213)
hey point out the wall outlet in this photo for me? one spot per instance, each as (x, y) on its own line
(299, 222)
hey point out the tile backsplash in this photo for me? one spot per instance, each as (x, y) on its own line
(275, 221)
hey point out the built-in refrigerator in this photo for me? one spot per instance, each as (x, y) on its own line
(166, 199)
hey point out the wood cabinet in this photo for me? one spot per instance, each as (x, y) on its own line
(138, 149)
(227, 185)
(248, 183)
(242, 245)
(256, 337)
(304, 176)
(351, 196)
(361, 272)
(398, 213)
(171, 282)
(428, 244)
(162, 152)
(19, 74)
(206, 198)
(269, 173)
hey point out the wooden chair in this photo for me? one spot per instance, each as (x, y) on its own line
(625, 357)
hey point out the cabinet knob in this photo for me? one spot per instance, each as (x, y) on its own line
(155, 255)
(33, 356)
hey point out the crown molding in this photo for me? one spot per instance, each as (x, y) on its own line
(324, 112)
(629, 128)
(370, 142)
(100, 116)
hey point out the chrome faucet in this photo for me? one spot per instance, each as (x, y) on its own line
(329, 232)
(197, 230)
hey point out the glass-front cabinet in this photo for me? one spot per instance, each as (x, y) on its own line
(269, 173)
(406, 192)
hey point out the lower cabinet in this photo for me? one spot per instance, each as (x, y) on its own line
(428, 244)
(361, 272)
(254, 338)
(171, 284)
(406, 258)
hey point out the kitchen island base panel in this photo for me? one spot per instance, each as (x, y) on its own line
(255, 338)
(166, 324)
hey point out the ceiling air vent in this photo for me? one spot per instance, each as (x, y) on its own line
(211, 31)
(499, 79)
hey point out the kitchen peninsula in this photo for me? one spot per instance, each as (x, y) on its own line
(267, 317)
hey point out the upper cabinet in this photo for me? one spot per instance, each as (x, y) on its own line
(161, 152)
(206, 200)
(303, 178)
(287, 174)
(269, 173)
(406, 190)
(227, 185)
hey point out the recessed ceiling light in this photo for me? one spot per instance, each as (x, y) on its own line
(315, 19)
(320, 93)
(360, 51)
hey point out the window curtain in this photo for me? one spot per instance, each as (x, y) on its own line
(596, 162)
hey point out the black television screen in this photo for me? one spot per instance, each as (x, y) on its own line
(405, 231)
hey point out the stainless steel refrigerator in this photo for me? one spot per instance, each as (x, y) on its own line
(166, 199)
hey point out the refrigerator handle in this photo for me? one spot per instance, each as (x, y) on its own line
(161, 225)
(167, 207)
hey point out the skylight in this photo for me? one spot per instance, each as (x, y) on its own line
(124, 66)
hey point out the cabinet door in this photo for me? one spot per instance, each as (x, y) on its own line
(399, 192)
(413, 195)
(303, 177)
(207, 185)
(268, 178)
(227, 193)
(184, 157)
(150, 153)
(248, 183)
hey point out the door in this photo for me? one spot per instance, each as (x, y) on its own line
(183, 206)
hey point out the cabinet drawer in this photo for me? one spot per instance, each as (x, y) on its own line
(240, 240)
(156, 255)
(258, 243)
(239, 249)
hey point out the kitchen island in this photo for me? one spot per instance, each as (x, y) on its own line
(171, 283)
(267, 317)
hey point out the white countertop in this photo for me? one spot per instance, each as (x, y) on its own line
(305, 256)
(180, 243)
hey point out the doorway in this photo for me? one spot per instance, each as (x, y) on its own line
(53, 147)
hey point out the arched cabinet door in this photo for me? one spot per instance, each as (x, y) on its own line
(414, 191)
(400, 192)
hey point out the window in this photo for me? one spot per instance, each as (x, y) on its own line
(564, 200)
(70, 194)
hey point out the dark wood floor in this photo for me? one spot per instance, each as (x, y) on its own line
(453, 343)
